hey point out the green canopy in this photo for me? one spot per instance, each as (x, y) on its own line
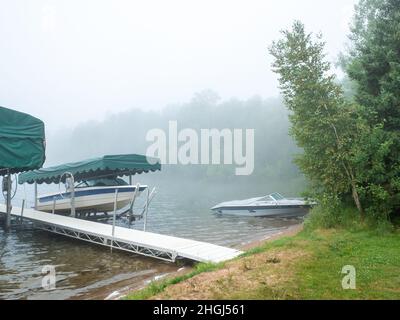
(106, 166)
(22, 142)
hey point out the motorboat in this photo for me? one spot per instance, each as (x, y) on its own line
(97, 195)
(271, 205)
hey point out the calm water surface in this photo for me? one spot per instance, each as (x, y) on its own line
(87, 271)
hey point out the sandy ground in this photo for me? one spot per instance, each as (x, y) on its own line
(189, 285)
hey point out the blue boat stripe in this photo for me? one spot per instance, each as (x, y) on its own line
(88, 193)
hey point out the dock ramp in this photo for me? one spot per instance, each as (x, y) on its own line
(154, 245)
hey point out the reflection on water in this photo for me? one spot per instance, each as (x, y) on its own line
(89, 271)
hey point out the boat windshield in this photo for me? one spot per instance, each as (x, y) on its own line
(102, 183)
(266, 198)
(277, 196)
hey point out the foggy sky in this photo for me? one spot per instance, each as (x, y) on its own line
(71, 61)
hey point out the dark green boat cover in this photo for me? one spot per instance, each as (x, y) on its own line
(22, 142)
(109, 166)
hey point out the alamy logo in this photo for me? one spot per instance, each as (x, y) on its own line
(189, 146)
(49, 279)
(349, 280)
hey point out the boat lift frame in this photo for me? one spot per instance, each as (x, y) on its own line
(129, 211)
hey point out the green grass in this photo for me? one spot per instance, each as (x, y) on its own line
(376, 258)
(317, 273)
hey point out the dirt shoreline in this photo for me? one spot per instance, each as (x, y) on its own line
(288, 232)
(121, 293)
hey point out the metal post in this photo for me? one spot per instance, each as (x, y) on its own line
(73, 212)
(130, 180)
(8, 201)
(22, 210)
(54, 205)
(137, 190)
(114, 215)
(147, 209)
(36, 196)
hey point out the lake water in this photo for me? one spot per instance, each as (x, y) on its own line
(87, 271)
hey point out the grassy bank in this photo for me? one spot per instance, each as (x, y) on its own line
(305, 266)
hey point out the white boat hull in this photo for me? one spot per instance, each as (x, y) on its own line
(268, 206)
(95, 199)
(267, 212)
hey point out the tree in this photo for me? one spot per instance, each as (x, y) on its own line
(373, 63)
(374, 60)
(323, 123)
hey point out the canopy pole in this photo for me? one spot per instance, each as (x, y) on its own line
(54, 205)
(22, 211)
(36, 196)
(146, 210)
(73, 211)
(114, 216)
(8, 200)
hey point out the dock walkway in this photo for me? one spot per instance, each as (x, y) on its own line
(145, 243)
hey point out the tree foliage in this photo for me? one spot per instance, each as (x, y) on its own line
(351, 141)
(373, 63)
(323, 123)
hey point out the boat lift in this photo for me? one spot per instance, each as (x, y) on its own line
(108, 167)
(117, 214)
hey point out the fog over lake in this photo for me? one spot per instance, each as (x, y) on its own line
(68, 62)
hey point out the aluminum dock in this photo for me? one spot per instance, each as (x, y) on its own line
(149, 244)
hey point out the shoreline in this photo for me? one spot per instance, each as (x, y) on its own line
(123, 291)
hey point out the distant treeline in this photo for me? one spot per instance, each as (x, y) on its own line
(126, 133)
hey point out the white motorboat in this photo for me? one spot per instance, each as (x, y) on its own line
(271, 205)
(90, 196)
